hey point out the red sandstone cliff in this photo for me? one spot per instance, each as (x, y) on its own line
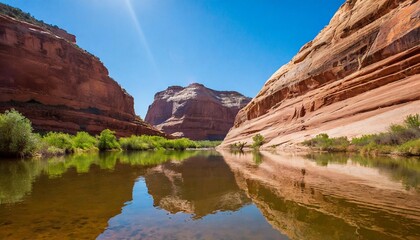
(59, 86)
(195, 111)
(359, 74)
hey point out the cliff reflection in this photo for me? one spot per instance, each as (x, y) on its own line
(70, 197)
(199, 186)
(307, 200)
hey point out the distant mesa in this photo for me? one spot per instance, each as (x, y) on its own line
(359, 75)
(56, 84)
(195, 111)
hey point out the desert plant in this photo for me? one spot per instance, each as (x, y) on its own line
(84, 140)
(412, 121)
(363, 140)
(16, 137)
(258, 140)
(107, 140)
(238, 146)
(59, 140)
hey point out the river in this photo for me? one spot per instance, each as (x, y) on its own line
(210, 195)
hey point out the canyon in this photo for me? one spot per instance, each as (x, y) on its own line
(359, 75)
(56, 84)
(195, 111)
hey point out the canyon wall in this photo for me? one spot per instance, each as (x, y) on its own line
(360, 74)
(59, 86)
(195, 111)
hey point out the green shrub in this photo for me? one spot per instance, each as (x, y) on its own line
(410, 148)
(412, 121)
(16, 137)
(324, 143)
(107, 140)
(59, 140)
(396, 128)
(363, 140)
(84, 140)
(238, 146)
(207, 144)
(136, 143)
(258, 140)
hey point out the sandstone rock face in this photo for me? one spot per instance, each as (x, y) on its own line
(195, 111)
(359, 74)
(59, 86)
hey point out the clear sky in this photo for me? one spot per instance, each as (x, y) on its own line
(148, 45)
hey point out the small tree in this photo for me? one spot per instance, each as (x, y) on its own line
(107, 140)
(16, 137)
(258, 140)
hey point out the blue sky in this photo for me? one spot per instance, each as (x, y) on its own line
(148, 45)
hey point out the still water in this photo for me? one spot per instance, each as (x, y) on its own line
(210, 195)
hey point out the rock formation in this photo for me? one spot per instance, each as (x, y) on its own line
(195, 111)
(359, 74)
(57, 85)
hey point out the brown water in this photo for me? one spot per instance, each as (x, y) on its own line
(207, 195)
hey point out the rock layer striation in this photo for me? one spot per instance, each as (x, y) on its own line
(360, 74)
(59, 86)
(195, 111)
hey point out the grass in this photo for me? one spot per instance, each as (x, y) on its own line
(399, 139)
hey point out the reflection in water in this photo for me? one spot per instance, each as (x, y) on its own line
(70, 197)
(202, 195)
(195, 199)
(406, 170)
(306, 200)
(199, 186)
(191, 194)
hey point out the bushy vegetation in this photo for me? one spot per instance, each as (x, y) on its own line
(16, 137)
(258, 141)
(207, 144)
(26, 17)
(108, 141)
(85, 141)
(238, 146)
(59, 140)
(403, 139)
(145, 142)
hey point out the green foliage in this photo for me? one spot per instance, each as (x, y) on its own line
(84, 141)
(410, 148)
(107, 140)
(412, 121)
(258, 140)
(324, 143)
(399, 139)
(26, 17)
(59, 140)
(145, 142)
(16, 137)
(238, 146)
(363, 140)
(207, 144)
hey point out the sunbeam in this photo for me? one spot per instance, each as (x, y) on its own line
(141, 35)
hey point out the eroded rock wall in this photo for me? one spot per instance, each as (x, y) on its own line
(360, 74)
(59, 86)
(195, 111)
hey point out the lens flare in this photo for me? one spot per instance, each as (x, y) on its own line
(140, 33)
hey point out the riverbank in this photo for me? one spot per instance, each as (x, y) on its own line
(400, 139)
(17, 139)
